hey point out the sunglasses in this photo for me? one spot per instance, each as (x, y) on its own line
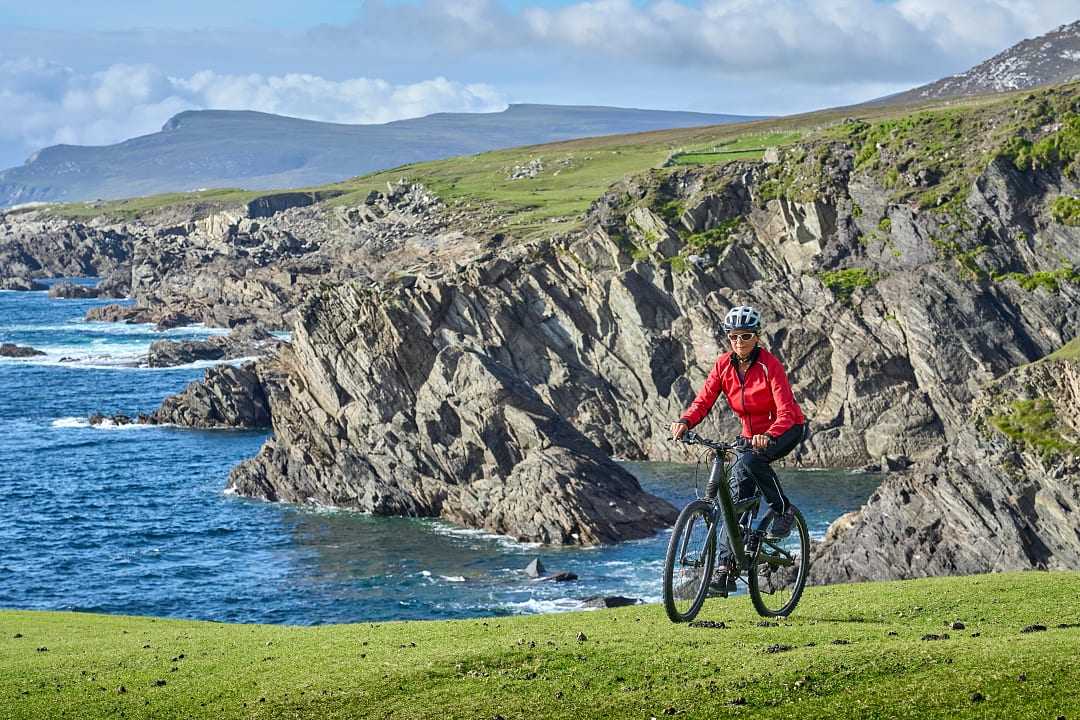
(733, 337)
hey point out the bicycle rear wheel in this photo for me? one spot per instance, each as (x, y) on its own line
(778, 571)
(688, 566)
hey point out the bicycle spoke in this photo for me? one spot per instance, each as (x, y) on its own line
(689, 562)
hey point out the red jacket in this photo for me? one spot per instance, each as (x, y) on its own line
(762, 400)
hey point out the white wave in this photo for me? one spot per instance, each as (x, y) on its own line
(539, 606)
(106, 424)
(70, 422)
(442, 528)
(115, 328)
(453, 578)
(424, 573)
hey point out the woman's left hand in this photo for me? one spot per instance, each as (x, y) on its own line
(760, 442)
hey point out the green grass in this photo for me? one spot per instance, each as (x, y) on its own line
(750, 147)
(844, 282)
(1049, 280)
(1066, 210)
(575, 172)
(1069, 351)
(132, 208)
(854, 651)
(1035, 423)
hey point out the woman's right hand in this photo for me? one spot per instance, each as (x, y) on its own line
(677, 429)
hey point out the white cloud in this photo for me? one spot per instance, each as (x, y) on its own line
(743, 56)
(827, 41)
(46, 103)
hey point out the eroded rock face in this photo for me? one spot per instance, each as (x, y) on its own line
(72, 291)
(243, 342)
(986, 504)
(23, 284)
(380, 419)
(226, 397)
(18, 351)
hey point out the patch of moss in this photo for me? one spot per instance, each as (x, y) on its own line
(843, 283)
(885, 225)
(1047, 279)
(671, 211)
(968, 266)
(1069, 351)
(1066, 210)
(1060, 148)
(678, 263)
(1034, 423)
(714, 238)
(856, 210)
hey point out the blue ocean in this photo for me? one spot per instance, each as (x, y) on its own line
(135, 519)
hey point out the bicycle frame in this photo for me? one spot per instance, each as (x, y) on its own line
(719, 476)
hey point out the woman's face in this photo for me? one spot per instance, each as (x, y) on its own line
(742, 341)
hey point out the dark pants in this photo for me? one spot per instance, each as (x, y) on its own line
(752, 468)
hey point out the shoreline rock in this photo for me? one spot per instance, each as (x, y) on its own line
(226, 397)
(470, 443)
(21, 284)
(72, 291)
(245, 341)
(18, 351)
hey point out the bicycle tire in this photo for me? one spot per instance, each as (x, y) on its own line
(695, 516)
(801, 563)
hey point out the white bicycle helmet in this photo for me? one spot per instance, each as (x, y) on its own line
(742, 317)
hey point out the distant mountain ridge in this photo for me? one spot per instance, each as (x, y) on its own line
(1044, 60)
(229, 148)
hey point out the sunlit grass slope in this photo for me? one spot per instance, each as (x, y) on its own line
(856, 651)
(574, 172)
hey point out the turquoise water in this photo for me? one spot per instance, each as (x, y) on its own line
(134, 520)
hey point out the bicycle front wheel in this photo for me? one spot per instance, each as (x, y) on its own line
(778, 571)
(691, 553)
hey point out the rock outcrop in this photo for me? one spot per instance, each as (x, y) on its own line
(23, 284)
(72, 291)
(400, 427)
(226, 397)
(1002, 495)
(243, 342)
(18, 351)
(895, 290)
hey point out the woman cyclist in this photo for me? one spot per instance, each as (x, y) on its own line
(757, 390)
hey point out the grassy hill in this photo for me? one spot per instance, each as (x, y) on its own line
(219, 148)
(850, 651)
(576, 172)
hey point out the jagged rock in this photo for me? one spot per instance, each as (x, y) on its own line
(18, 351)
(72, 291)
(987, 504)
(395, 428)
(227, 396)
(116, 284)
(610, 601)
(529, 170)
(120, 313)
(117, 420)
(23, 284)
(560, 577)
(245, 341)
(174, 319)
(535, 569)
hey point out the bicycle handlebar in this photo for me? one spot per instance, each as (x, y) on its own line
(692, 438)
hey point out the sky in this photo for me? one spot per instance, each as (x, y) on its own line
(93, 73)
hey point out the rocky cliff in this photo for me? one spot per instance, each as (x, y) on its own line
(1002, 494)
(902, 266)
(890, 316)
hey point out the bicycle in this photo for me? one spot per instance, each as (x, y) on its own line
(775, 568)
